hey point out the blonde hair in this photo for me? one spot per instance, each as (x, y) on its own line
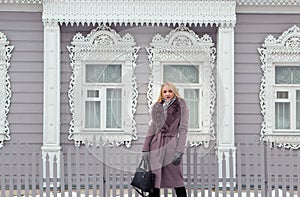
(171, 86)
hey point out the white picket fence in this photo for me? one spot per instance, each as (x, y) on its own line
(107, 172)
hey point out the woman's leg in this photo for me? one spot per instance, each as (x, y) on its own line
(180, 191)
(155, 193)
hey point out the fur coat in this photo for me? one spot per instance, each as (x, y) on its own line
(167, 135)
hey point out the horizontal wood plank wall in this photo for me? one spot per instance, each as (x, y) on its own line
(24, 30)
(250, 33)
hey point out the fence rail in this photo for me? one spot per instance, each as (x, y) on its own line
(107, 172)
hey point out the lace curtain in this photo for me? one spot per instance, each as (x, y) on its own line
(192, 99)
(113, 108)
(287, 75)
(103, 74)
(181, 73)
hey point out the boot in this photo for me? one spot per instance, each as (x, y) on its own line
(155, 193)
(180, 191)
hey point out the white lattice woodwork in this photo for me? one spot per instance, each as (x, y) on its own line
(217, 12)
(5, 89)
(103, 44)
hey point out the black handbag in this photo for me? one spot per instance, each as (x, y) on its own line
(143, 178)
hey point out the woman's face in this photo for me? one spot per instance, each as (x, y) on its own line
(167, 93)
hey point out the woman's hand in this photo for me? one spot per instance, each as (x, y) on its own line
(177, 158)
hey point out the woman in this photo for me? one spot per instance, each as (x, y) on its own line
(166, 139)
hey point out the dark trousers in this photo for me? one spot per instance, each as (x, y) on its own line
(180, 192)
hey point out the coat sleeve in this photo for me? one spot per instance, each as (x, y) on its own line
(149, 137)
(183, 127)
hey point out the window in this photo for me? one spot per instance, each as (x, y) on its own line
(102, 97)
(103, 90)
(5, 92)
(188, 61)
(287, 106)
(280, 89)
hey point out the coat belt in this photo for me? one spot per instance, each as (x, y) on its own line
(160, 147)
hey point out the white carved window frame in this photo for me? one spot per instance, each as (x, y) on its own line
(183, 46)
(275, 52)
(5, 93)
(103, 45)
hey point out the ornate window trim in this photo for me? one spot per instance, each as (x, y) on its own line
(284, 50)
(5, 93)
(103, 44)
(183, 45)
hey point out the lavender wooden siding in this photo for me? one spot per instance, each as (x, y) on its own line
(250, 32)
(24, 30)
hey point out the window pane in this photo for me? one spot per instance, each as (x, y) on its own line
(92, 114)
(282, 115)
(93, 93)
(298, 109)
(282, 94)
(181, 73)
(192, 99)
(113, 108)
(287, 75)
(103, 73)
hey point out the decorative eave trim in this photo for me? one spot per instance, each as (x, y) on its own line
(268, 6)
(242, 6)
(268, 2)
(141, 12)
(268, 9)
(26, 6)
(21, 1)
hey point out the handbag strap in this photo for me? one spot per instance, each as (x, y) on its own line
(142, 162)
(146, 164)
(140, 192)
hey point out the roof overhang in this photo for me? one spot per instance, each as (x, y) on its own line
(21, 5)
(268, 6)
(149, 12)
(141, 12)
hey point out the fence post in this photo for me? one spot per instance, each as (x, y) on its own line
(231, 174)
(51, 153)
(228, 155)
